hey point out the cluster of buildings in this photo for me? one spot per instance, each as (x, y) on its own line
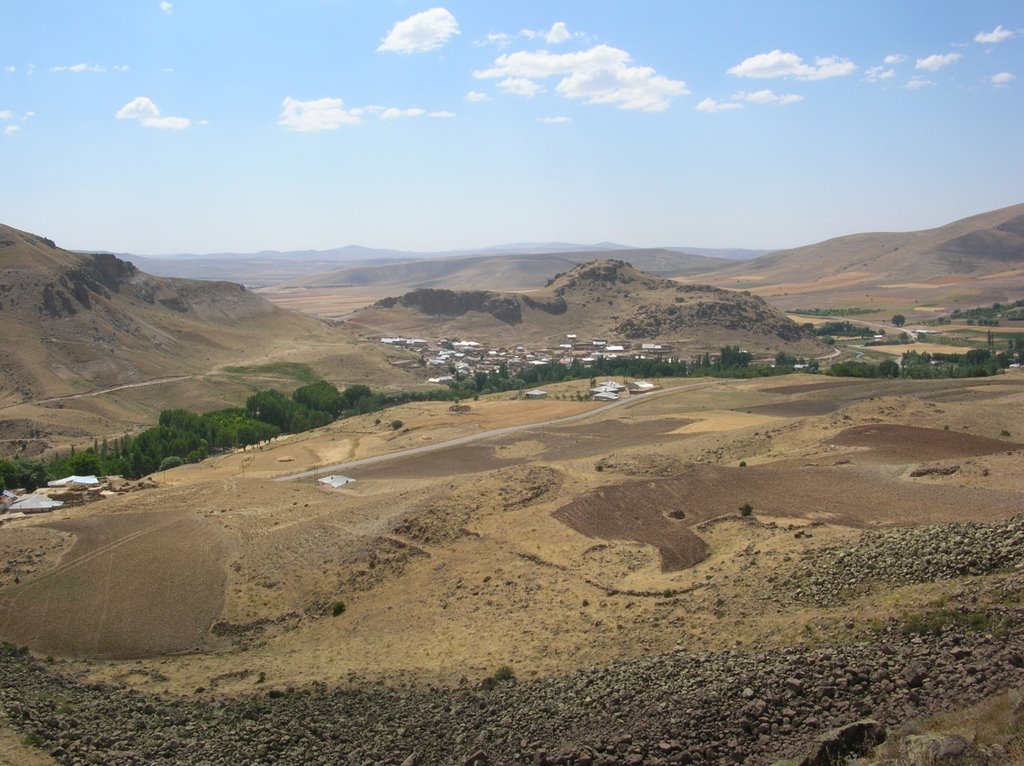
(450, 358)
(71, 490)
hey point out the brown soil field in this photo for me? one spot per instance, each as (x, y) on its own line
(131, 585)
(912, 444)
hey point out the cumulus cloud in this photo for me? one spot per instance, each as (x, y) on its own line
(767, 97)
(331, 114)
(520, 86)
(1003, 78)
(148, 115)
(167, 7)
(894, 58)
(393, 113)
(600, 75)
(475, 96)
(421, 32)
(554, 120)
(780, 64)
(6, 114)
(711, 105)
(501, 39)
(876, 73)
(997, 35)
(10, 129)
(10, 69)
(316, 114)
(936, 61)
(917, 83)
(559, 33)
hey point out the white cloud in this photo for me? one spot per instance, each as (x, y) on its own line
(558, 33)
(317, 114)
(422, 32)
(710, 105)
(1003, 78)
(138, 108)
(79, 68)
(6, 115)
(501, 39)
(10, 69)
(917, 83)
(876, 73)
(554, 120)
(148, 115)
(10, 129)
(475, 96)
(600, 75)
(894, 58)
(767, 97)
(167, 7)
(779, 64)
(442, 115)
(520, 86)
(394, 114)
(936, 61)
(997, 35)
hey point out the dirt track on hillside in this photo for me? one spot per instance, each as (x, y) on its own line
(132, 585)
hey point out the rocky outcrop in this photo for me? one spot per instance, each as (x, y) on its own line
(452, 303)
(676, 708)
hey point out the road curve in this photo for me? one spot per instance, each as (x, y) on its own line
(458, 442)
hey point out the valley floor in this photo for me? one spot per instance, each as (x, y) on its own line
(605, 562)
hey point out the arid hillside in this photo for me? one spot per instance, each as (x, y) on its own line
(600, 299)
(77, 325)
(977, 259)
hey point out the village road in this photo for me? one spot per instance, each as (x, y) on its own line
(631, 401)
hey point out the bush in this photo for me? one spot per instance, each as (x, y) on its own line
(746, 509)
(396, 424)
(338, 607)
(171, 461)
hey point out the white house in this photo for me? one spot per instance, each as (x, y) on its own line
(642, 387)
(335, 480)
(67, 480)
(536, 393)
(35, 504)
(605, 396)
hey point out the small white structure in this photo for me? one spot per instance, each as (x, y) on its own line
(614, 348)
(443, 379)
(68, 480)
(35, 504)
(642, 387)
(536, 393)
(335, 480)
(611, 385)
(605, 396)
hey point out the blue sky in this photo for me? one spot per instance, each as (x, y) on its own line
(211, 125)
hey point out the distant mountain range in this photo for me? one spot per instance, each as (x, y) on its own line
(273, 267)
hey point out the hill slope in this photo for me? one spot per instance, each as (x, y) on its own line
(989, 246)
(76, 322)
(607, 298)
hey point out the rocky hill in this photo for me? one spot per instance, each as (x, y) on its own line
(76, 322)
(606, 298)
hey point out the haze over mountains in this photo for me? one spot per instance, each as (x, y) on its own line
(272, 267)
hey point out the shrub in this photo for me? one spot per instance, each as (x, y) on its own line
(746, 509)
(503, 674)
(396, 424)
(171, 461)
(338, 607)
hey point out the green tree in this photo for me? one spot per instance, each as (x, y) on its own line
(899, 320)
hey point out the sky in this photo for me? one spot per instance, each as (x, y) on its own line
(205, 126)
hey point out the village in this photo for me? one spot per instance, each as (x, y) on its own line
(453, 358)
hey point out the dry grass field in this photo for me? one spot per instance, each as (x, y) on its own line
(547, 549)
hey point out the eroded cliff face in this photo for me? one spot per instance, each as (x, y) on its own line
(451, 303)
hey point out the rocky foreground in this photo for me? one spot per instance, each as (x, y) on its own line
(676, 708)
